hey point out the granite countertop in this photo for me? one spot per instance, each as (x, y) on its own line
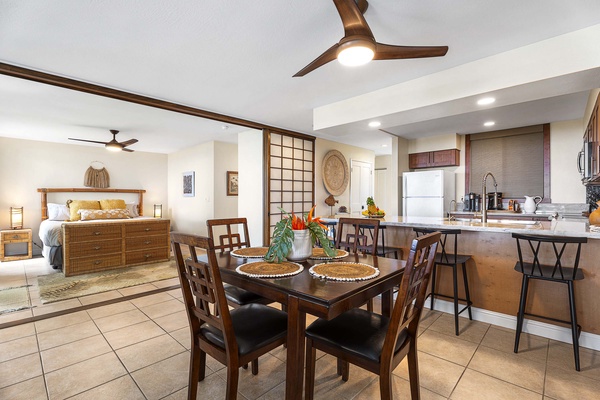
(558, 228)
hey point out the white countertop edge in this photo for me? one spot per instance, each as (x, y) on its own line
(534, 228)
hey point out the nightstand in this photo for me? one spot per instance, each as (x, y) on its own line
(9, 236)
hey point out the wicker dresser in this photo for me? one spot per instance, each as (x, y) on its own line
(94, 247)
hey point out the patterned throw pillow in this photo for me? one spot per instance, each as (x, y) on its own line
(117, 213)
(76, 205)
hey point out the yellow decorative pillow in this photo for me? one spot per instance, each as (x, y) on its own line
(112, 204)
(76, 205)
(103, 214)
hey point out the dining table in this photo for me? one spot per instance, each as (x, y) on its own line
(305, 293)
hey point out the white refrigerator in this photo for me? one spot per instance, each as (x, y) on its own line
(427, 193)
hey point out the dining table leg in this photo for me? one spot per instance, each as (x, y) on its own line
(387, 303)
(294, 376)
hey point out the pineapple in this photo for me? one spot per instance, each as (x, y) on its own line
(371, 207)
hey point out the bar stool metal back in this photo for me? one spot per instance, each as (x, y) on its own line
(556, 269)
(449, 256)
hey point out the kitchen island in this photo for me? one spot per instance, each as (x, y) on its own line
(495, 285)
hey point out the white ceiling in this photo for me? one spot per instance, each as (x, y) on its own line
(237, 57)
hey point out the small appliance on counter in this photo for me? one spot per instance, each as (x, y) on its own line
(472, 202)
(494, 201)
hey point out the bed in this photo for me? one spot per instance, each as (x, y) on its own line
(80, 247)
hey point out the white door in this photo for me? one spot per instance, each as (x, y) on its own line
(381, 188)
(361, 185)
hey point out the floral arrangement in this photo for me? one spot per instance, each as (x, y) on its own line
(283, 235)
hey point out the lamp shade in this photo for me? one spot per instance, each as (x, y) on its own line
(16, 217)
(158, 211)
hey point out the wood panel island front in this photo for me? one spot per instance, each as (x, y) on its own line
(495, 285)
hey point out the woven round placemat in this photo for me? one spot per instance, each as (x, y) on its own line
(319, 254)
(344, 271)
(250, 252)
(263, 269)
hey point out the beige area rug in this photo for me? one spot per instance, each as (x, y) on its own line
(14, 299)
(57, 287)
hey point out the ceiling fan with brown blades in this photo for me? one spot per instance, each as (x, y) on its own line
(358, 46)
(113, 145)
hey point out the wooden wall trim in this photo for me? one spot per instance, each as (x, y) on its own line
(73, 84)
(547, 191)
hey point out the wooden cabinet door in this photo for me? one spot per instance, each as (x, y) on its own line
(419, 160)
(445, 158)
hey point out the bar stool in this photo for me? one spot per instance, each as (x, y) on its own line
(553, 271)
(453, 260)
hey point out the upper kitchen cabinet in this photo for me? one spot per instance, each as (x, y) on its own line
(429, 159)
(591, 141)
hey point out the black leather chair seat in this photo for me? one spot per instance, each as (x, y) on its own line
(448, 259)
(357, 331)
(547, 272)
(242, 297)
(255, 325)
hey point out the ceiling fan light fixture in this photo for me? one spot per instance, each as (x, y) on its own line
(113, 147)
(353, 53)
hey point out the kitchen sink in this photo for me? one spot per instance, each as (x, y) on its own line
(501, 222)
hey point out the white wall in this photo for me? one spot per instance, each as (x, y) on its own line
(210, 162)
(189, 214)
(226, 159)
(26, 165)
(322, 146)
(251, 186)
(566, 139)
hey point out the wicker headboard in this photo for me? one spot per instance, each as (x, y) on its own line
(45, 191)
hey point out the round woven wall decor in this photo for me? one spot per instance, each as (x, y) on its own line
(335, 172)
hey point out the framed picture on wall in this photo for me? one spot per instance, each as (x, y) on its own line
(232, 183)
(188, 184)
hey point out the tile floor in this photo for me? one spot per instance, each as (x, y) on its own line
(139, 349)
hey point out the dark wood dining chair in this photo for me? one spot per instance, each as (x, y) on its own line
(375, 342)
(358, 235)
(550, 259)
(448, 256)
(233, 338)
(225, 234)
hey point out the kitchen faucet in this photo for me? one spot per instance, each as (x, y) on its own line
(451, 208)
(484, 199)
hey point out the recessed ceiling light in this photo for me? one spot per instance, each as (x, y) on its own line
(384, 145)
(485, 101)
(489, 123)
(374, 124)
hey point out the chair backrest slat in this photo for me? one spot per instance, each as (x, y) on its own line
(413, 290)
(443, 245)
(532, 264)
(202, 287)
(357, 235)
(229, 240)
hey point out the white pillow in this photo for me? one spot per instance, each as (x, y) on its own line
(133, 209)
(58, 212)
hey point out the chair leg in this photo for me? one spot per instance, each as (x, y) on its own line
(455, 282)
(413, 371)
(345, 371)
(574, 329)
(233, 376)
(467, 294)
(197, 364)
(433, 275)
(385, 386)
(521, 314)
(255, 366)
(311, 355)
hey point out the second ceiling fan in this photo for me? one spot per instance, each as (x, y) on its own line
(358, 41)
(112, 145)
